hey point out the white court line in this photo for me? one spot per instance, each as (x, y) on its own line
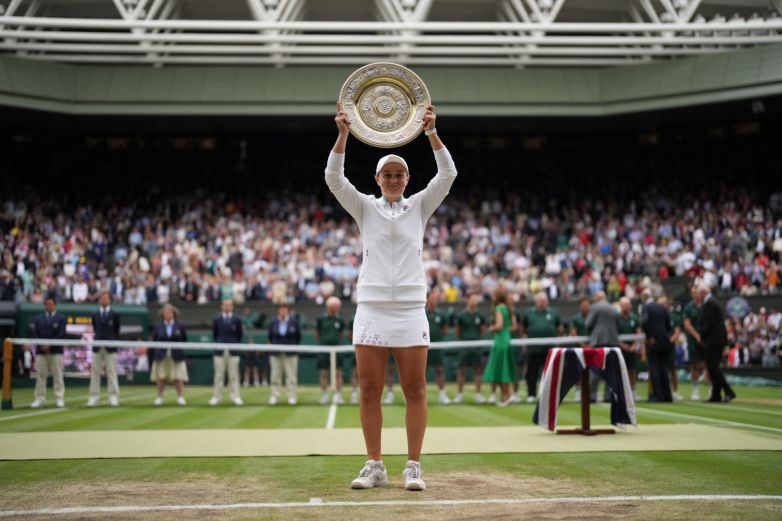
(732, 407)
(707, 418)
(61, 409)
(36, 413)
(332, 416)
(433, 502)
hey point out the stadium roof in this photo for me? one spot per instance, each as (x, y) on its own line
(512, 33)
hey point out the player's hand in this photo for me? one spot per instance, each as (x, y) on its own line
(341, 119)
(429, 118)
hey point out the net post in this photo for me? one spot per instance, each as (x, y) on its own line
(8, 362)
(333, 367)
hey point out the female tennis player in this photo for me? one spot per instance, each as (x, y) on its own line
(391, 291)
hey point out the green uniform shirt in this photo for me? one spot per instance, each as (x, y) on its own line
(471, 324)
(676, 319)
(437, 319)
(579, 322)
(330, 329)
(692, 312)
(628, 325)
(541, 324)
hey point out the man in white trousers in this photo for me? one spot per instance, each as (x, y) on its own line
(226, 328)
(106, 325)
(49, 358)
(284, 329)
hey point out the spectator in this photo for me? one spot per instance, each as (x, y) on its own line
(501, 366)
(49, 358)
(629, 324)
(540, 321)
(228, 329)
(438, 328)
(169, 365)
(470, 326)
(329, 331)
(602, 324)
(284, 329)
(106, 326)
(656, 325)
(714, 338)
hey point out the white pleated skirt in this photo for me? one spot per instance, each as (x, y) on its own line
(390, 325)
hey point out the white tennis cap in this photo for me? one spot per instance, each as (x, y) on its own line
(390, 158)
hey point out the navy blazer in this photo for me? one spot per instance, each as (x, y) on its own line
(291, 337)
(656, 325)
(711, 327)
(230, 332)
(106, 328)
(45, 327)
(178, 334)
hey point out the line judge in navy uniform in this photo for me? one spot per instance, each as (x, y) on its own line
(49, 358)
(226, 328)
(169, 365)
(105, 324)
(284, 329)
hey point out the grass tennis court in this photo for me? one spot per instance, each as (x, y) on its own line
(519, 483)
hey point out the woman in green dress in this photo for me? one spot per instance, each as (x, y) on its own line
(501, 367)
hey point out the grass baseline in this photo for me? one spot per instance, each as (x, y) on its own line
(319, 504)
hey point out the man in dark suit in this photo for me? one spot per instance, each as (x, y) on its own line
(49, 358)
(284, 329)
(105, 325)
(714, 337)
(226, 328)
(656, 325)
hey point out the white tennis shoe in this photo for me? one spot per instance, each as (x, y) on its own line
(459, 398)
(158, 401)
(372, 475)
(181, 400)
(414, 476)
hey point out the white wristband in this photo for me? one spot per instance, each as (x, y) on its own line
(430, 132)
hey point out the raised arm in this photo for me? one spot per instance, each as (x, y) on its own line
(440, 185)
(430, 119)
(342, 120)
(343, 190)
